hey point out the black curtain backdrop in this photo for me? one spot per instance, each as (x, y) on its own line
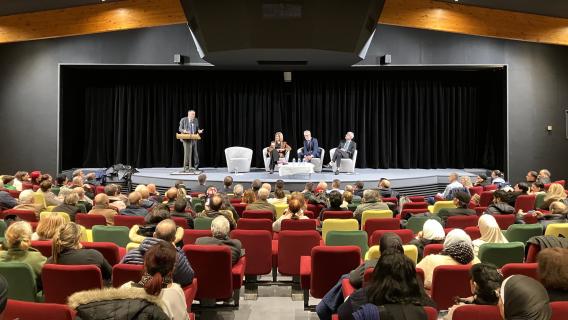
(401, 119)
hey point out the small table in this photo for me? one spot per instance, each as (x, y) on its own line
(293, 168)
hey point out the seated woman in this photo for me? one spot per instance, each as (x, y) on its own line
(458, 250)
(394, 292)
(553, 273)
(555, 193)
(69, 205)
(17, 248)
(490, 232)
(500, 204)
(432, 233)
(66, 249)
(485, 283)
(159, 263)
(279, 197)
(50, 197)
(48, 226)
(521, 297)
(277, 150)
(294, 212)
(335, 204)
(160, 212)
(248, 197)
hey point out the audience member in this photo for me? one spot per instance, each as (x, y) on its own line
(261, 203)
(214, 210)
(351, 189)
(238, 192)
(497, 178)
(227, 185)
(280, 185)
(268, 187)
(20, 178)
(8, 182)
(466, 181)
(220, 236)
(432, 233)
(359, 188)
(294, 212)
(171, 196)
(50, 197)
(7, 201)
(335, 202)
(319, 197)
(308, 190)
(490, 232)
(35, 177)
(153, 194)
(451, 188)
(249, 197)
(134, 207)
(48, 226)
(522, 188)
(531, 177)
(69, 205)
(544, 176)
(146, 202)
(255, 186)
(180, 207)
(521, 297)
(85, 203)
(279, 197)
(555, 193)
(537, 188)
(371, 201)
(553, 272)
(481, 181)
(500, 205)
(138, 233)
(27, 202)
(335, 186)
(385, 189)
(461, 201)
(114, 197)
(101, 207)
(201, 187)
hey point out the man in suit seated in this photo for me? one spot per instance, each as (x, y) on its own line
(220, 231)
(311, 147)
(345, 150)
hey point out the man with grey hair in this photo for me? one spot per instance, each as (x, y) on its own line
(26, 200)
(262, 203)
(451, 188)
(238, 191)
(220, 236)
(310, 149)
(190, 125)
(544, 176)
(345, 150)
(371, 201)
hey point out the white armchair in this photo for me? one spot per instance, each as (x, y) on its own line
(238, 158)
(317, 162)
(267, 159)
(346, 165)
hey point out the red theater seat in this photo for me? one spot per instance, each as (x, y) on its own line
(258, 214)
(527, 269)
(490, 187)
(43, 246)
(525, 203)
(504, 220)
(123, 273)
(486, 198)
(190, 235)
(417, 198)
(476, 312)
(110, 251)
(475, 190)
(433, 248)
(61, 281)
(27, 215)
(291, 246)
(532, 253)
(368, 275)
(300, 224)
(240, 208)
(181, 222)
(559, 310)
(90, 220)
(23, 310)
(128, 221)
(371, 225)
(392, 200)
(315, 209)
(258, 248)
(406, 235)
(255, 224)
(416, 205)
(473, 232)
(462, 222)
(449, 282)
(337, 215)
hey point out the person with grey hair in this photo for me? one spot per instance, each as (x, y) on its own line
(26, 200)
(220, 236)
(345, 150)
(544, 176)
(190, 125)
(238, 191)
(453, 187)
(371, 201)
(262, 203)
(69, 205)
(311, 148)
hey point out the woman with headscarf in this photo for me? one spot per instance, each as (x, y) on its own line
(458, 250)
(523, 298)
(490, 232)
(432, 233)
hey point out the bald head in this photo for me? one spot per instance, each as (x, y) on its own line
(166, 230)
(134, 198)
(101, 199)
(215, 202)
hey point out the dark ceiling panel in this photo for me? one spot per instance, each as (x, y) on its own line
(553, 8)
(10, 7)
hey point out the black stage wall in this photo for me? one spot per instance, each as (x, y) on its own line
(401, 119)
(536, 77)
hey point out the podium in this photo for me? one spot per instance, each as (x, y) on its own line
(191, 137)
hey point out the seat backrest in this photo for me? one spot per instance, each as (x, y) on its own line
(559, 310)
(212, 266)
(115, 234)
(410, 251)
(299, 224)
(475, 190)
(43, 246)
(499, 254)
(258, 248)
(525, 202)
(315, 208)
(109, 250)
(202, 223)
(476, 312)
(291, 246)
(27, 215)
(557, 229)
(490, 187)
(504, 220)
(417, 198)
(377, 214)
(433, 248)
(473, 232)
(337, 215)
(527, 269)
(523, 232)
(462, 222)
(449, 282)
(239, 207)
(258, 214)
(190, 235)
(339, 225)
(431, 313)
(181, 222)
(24, 310)
(405, 235)
(532, 252)
(415, 205)
(416, 223)
(439, 205)
(408, 213)
(329, 264)
(255, 224)
(238, 152)
(75, 277)
(21, 280)
(123, 273)
(348, 238)
(90, 220)
(128, 221)
(381, 224)
(485, 198)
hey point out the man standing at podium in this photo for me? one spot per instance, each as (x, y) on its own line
(190, 125)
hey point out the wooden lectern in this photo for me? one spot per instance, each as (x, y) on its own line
(190, 136)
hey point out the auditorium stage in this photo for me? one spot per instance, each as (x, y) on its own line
(408, 181)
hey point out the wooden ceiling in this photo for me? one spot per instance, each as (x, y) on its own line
(423, 14)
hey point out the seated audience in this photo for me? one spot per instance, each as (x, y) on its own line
(116, 200)
(85, 203)
(359, 188)
(17, 247)
(102, 207)
(555, 193)
(165, 232)
(255, 185)
(319, 196)
(134, 207)
(500, 204)
(227, 185)
(220, 236)
(50, 197)
(279, 197)
(537, 188)
(19, 178)
(393, 293)
(238, 191)
(553, 272)
(498, 178)
(351, 189)
(466, 181)
(180, 207)
(371, 201)
(214, 210)
(8, 182)
(522, 188)
(558, 213)
(461, 201)
(490, 232)
(249, 197)
(69, 205)
(308, 190)
(385, 189)
(171, 196)
(335, 204)
(201, 187)
(27, 202)
(451, 188)
(261, 203)
(481, 181)
(7, 201)
(35, 177)
(294, 212)
(458, 250)
(48, 226)
(348, 201)
(432, 233)
(523, 298)
(138, 233)
(280, 185)
(146, 202)
(335, 186)
(153, 194)
(531, 177)
(485, 284)
(66, 249)
(544, 176)
(268, 187)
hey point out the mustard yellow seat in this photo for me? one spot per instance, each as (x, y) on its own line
(441, 205)
(373, 214)
(557, 229)
(132, 245)
(338, 225)
(410, 251)
(40, 198)
(280, 208)
(89, 234)
(50, 208)
(85, 235)
(44, 214)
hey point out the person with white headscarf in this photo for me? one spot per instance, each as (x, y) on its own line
(458, 250)
(490, 232)
(522, 297)
(432, 233)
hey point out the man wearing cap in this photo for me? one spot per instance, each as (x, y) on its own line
(461, 201)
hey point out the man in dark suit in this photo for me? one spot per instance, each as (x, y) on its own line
(311, 147)
(190, 124)
(345, 150)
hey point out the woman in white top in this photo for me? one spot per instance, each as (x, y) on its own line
(490, 232)
(159, 264)
(293, 212)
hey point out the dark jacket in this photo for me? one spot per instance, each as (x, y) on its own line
(183, 273)
(214, 214)
(233, 244)
(184, 215)
(85, 256)
(311, 148)
(131, 210)
(70, 209)
(500, 208)
(388, 193)
(117, 303)
(7, 201)
(444, 214)
(262, 205)
(351, 148)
